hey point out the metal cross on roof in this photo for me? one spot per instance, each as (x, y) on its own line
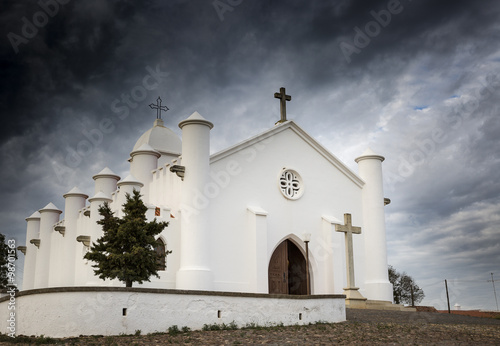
(158, 107)
(283, 98)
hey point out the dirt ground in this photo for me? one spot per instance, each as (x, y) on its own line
(363, 327)
(475, 313)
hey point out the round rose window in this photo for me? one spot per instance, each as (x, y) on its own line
(290, 184)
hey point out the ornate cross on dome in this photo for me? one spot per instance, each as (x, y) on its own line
(283, 98)
(158, 107)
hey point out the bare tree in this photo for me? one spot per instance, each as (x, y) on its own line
(404, 288)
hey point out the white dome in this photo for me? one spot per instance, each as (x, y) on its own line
(161, 139)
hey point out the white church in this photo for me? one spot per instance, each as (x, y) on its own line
(266, 216)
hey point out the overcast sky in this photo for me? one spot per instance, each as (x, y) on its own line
(417, 81)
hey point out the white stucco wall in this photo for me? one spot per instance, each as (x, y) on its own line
(249, 177)
(99, 311)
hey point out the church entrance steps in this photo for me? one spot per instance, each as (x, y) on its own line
(381, 305)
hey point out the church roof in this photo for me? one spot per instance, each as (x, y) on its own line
(145, 148)
(161, 139)
(34, 216)
(129, 180)
(100, 196)
(369, 154)
(106, 173)
(196, 118)
(75, 192)
(51, 207)
(302, 134)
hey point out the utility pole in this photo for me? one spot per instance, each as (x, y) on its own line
(412, 298)
(494, 291)
(447, 296)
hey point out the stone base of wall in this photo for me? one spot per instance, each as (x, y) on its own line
(74, 311)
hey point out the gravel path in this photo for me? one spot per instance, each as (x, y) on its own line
(363, 327)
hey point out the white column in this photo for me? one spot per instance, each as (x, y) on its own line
(74, 201)
(95, 231)
(143, 161)
(258, 263)
(49, 215)
(377, 285)
(32, 231)
(126, 186)
(56, 258)
(194, 272)
(105, 181)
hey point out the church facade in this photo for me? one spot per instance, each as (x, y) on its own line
(258, 217)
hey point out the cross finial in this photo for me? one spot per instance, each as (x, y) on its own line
(283, 98)
(158, 107)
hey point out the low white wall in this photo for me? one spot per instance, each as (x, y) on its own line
(74, 311)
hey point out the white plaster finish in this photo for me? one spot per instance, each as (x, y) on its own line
(83, 228)
(377, 285)
(74, 200)
(257, 228)
(126, 186)
(195, 272)
(49, 215)
(247, 174)
(143, 161)
(163, 140)
(77, 312)
(330, 251)
(57, 256)
(95, 230)
(166, 187)
(105, 181)
(32, 232)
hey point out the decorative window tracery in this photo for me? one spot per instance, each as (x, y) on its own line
(290, 184)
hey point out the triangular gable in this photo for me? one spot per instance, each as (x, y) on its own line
(302, 134)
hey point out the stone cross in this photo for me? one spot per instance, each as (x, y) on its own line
(158, 107)
(349, 229)
(283, 98)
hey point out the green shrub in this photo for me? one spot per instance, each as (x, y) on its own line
(174, 330)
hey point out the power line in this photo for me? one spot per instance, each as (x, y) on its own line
(494, 290)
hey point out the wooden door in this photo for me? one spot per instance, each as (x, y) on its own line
(297, 278)
(278, 270)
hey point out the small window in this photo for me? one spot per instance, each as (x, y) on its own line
(161, 259)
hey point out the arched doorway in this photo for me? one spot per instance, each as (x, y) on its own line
(287, 270)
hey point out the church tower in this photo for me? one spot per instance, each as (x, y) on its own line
(32, 231)
(74, 200)
(143, 161)
(194, 272)
(49, 215)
